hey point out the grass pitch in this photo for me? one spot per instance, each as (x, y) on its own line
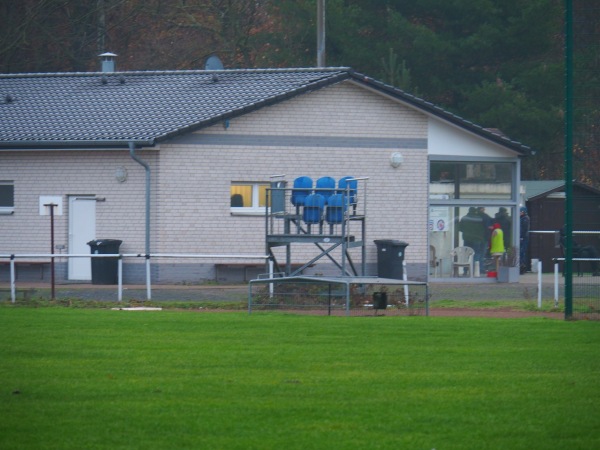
(100, 379)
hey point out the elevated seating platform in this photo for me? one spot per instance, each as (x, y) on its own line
(330, 217)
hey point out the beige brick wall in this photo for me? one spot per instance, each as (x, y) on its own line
(121, 216)
(397, 198)
(341, 110)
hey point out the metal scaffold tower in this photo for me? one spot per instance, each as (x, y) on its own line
(329, 215)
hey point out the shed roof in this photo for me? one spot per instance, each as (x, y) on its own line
(99, 110)
(542, 188)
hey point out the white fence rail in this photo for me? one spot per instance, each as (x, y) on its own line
(13, 258)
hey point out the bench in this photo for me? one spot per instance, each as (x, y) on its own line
(20, 262)
(26, 293)
(245, 267)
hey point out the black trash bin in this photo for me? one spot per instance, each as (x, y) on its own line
(390, 256)
(379, 300)
(105, 270)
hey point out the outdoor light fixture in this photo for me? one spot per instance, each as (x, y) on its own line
(121, 174)
(396, 159)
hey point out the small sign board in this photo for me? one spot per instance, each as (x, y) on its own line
(51, 200)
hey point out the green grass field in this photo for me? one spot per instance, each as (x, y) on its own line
(101, 379)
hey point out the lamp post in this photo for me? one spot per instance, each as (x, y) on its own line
(321, 33)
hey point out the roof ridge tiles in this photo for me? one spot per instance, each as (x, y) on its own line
(175, 72)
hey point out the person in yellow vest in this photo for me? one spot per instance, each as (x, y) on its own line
(497, 248)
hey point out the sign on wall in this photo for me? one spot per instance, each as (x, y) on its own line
(439, 219)
(51, 200)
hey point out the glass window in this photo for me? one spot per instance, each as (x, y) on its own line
(471, 226)
(7, 197)
(248, 196)
(471, 180)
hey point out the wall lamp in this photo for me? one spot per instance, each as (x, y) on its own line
(396, 159)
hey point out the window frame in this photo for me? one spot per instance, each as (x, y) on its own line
(468, 180)
(8, 209)
(255, 208)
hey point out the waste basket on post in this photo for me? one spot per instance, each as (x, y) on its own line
(278, 196)
(105, 270)
(390, 256)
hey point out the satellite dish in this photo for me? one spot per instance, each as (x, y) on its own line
(213, 63)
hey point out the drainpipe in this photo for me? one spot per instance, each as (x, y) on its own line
(147, 167)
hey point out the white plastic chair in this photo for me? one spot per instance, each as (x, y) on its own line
(434, 261)
(462, 258)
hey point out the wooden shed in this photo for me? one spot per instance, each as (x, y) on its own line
(545, 201)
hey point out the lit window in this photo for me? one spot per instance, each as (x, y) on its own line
(248, 197)
(7, 197)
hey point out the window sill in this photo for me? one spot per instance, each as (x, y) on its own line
(247, 212)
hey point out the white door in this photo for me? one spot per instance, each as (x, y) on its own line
(82, 229)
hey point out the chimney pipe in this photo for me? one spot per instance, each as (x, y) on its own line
(108, 62)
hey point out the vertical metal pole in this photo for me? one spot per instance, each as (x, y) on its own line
(405, 278)
(250, 297)
(364, 230)
(52, 277)
(556, 275)
(363, 248)
(539, 273)
(345, 230)
(120, 277)
(347, 298)
(148, 280)
(268, 226)
(13, 290)
(569, 158)
(321, 33)
(271, 285)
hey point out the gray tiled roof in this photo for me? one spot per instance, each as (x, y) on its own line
(140, 106)
(111, 109)
(538, 188)
(541, 188)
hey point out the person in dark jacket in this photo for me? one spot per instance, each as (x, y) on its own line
(523, 239)
(487, 222)
(474, 234)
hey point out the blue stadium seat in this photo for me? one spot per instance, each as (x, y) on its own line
(314, 206)
(336, 207)
(302, 189)
(326, 187)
